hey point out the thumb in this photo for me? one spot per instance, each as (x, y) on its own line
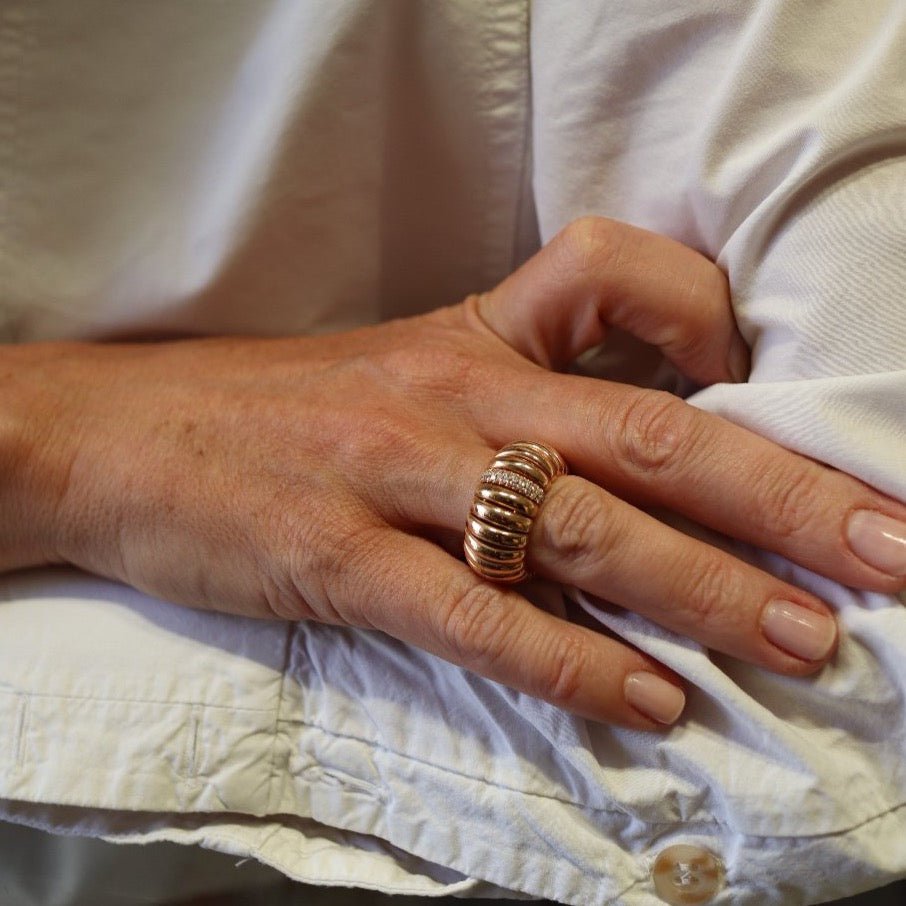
(597, 273)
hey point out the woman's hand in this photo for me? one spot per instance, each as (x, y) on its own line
(310, 478)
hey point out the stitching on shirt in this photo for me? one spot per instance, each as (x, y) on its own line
(525, 195)
(751, 841)
(803, 838)
(352, 880)
(291, 630)
(502, 139)
(333, 778)
(142, 701)
(406, 756)
(468, 880)
(21, 730)
(190, 748)
(582, 807)
(500, 843)
(16, 29)
(23, 717)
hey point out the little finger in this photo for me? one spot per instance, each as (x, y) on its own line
(417, 593)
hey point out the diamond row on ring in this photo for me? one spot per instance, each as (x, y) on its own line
(514, 482)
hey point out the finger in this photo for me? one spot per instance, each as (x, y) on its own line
(417, 593)
(585, 536)
(657, 450)
(599, 272)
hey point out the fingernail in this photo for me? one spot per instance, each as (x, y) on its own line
(738, 359)
(654, 697)
(798, 630)
(879, 540)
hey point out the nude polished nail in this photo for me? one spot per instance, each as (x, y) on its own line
(878, 540)
(654, 697)
(798, 630)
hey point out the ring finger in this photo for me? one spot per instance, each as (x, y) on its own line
(589, 538)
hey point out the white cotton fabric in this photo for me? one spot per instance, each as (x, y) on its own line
(277, 167)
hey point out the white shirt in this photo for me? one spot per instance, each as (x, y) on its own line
(278, 167)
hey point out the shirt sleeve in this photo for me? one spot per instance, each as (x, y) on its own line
(772, 136)
(800, 192)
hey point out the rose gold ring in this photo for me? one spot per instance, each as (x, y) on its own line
(509, 495)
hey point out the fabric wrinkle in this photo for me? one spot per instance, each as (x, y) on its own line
(391, 158)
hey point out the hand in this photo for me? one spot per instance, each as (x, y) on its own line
(305, 478)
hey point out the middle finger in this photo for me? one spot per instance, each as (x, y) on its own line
(586, 537)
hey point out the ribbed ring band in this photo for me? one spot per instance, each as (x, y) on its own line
(509, 494)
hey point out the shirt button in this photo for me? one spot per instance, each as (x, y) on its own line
(686, 875)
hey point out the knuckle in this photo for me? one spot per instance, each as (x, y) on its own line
(441, 366)
(382, 437)
(703, 315)
(283, 600)
(710, 293)
(706, 591)
(789, 497)
(324, 573)
(569, 527)
(654, 430)
(564, 673)
(368, 442)
(474, 625)
(689, 338)
(357, 572)
(590, 243)
(705, 293)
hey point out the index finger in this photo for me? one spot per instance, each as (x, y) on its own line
(598, 272)
(657, 450)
